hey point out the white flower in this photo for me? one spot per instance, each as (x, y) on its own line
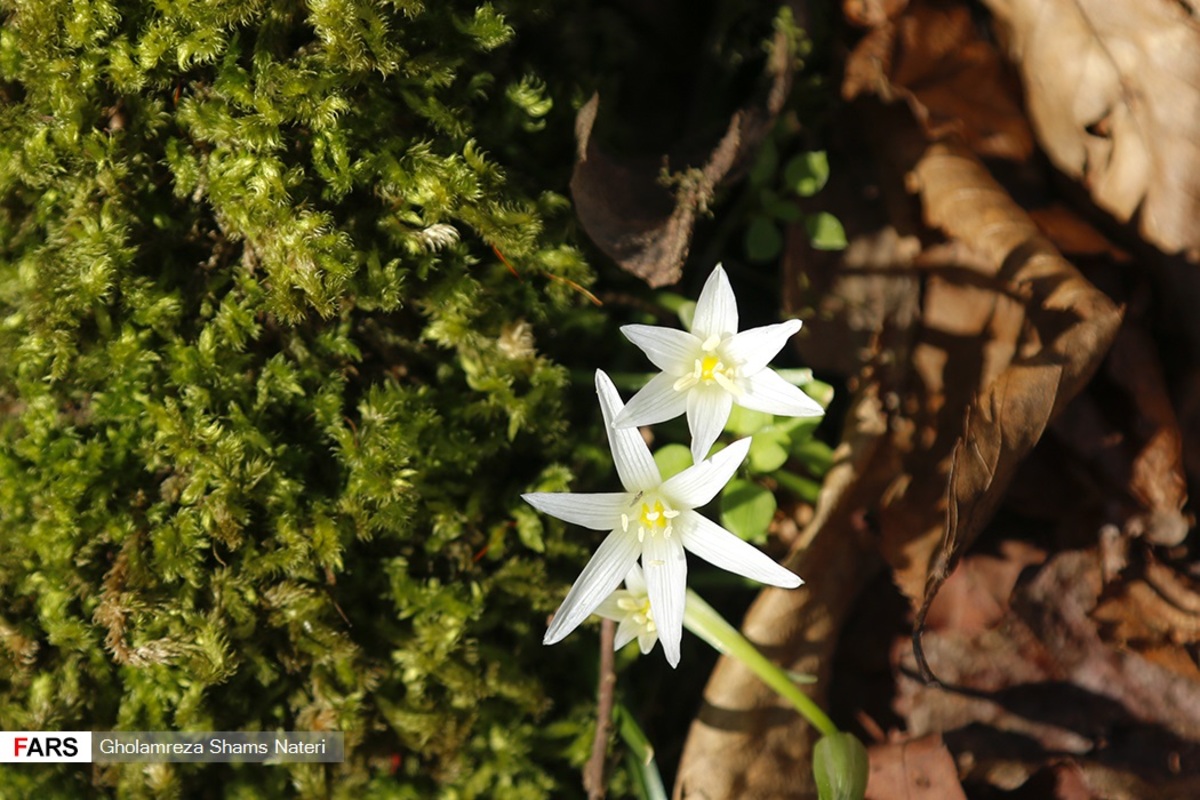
(652, 520)
(706, 371)
(630, 609)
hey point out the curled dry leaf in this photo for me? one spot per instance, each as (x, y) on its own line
(1073, 323)
(931, 55)
(628, 211)
(637, 219)
(1112, 88)
(1041, 686)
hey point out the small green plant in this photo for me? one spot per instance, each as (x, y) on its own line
(775, 193)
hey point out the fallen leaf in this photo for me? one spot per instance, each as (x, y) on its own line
(1112, 88)
(745, 741)
(1073, 323)
(931, 56)
(645, 224)
(920, 767)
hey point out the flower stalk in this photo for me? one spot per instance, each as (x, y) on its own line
(703, 620)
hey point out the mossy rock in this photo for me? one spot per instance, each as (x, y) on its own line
(280, 295)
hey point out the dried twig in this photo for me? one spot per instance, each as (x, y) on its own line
(593, 771)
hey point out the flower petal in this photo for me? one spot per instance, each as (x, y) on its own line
(599, 512)
(609, 564)
(610, 607)
(656, 402)
(716, 309)
(721, 548)
(671, 350)
(666, 583)
(646, 640)
(631, 456)
(708, 410)
(635, 581)
(627, 631)
(766, 391)
(753, 349)
(700, 483)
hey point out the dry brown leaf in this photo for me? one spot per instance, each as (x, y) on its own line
(1040, 687)
(871, 13)
(916, 768)
(1157, 481)
(746, 742)
(932, 56)
(631, 215)
(646, 224)
(1154, 609)
(1112, 88)
(1073, 324)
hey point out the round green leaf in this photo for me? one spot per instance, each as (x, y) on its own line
(747, 509)
(672, 459)
(778, 208)
(825, 232)
(763, 240)
(806, 173)
(768, 451)
(765, 165)
(744, 422)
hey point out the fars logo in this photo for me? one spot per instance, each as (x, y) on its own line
(45, 747)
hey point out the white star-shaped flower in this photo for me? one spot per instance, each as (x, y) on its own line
(652, 520)
(630, 609)
(707, 370)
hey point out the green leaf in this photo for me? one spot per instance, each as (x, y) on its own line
(825, 232)
(640, 756)
(807, 173)
(815, 454)
(778, 208)
(763, 239)
(765, 165)
(768, 450)
(796, 377)
(744, 422)
(529, 529)
(672, 459)
(820, 391)
(672, 302)
(687, 312)
(840, 767)
(747, 510)
(799, 429)
(804, 488)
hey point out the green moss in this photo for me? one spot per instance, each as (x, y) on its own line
(266, 415)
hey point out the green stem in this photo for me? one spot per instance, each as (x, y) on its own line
(702, 619)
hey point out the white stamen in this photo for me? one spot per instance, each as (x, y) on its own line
(726, 384)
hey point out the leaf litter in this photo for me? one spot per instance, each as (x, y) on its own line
(1013, 478)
